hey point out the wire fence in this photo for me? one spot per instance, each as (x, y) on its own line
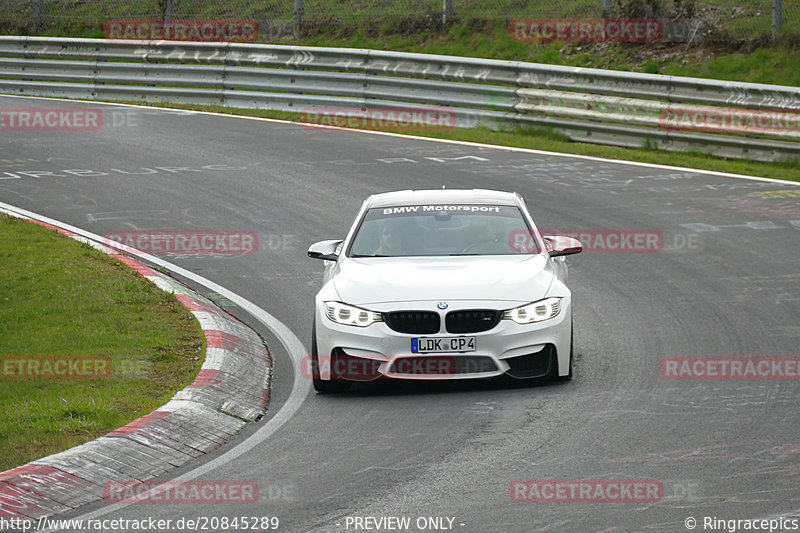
(711, 20)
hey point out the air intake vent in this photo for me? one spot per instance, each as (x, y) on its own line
(532, 365)
(443, 365)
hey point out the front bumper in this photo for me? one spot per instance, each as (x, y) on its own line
(377, 351)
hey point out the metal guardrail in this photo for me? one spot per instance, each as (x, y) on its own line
(724, 118)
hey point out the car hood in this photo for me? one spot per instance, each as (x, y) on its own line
(513, 278)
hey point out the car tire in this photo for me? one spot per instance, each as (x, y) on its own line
(322, 386)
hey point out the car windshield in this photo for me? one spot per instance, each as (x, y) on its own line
(442, 229)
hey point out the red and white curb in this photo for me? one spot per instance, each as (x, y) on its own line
(230, 390)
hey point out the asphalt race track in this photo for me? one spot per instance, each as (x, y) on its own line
(725, 283)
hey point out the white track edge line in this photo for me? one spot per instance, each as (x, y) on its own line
(434, 139)
(293, 346)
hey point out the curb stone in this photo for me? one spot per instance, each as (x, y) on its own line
(230, 390)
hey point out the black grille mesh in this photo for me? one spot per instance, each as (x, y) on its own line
(420, 322)
(472, 320)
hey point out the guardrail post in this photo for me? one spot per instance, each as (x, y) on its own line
(38, 15)
(298, 16)
(777, 15)
(447, 10)
(608, 7)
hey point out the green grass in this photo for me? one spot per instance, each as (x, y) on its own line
(778, 64)
(59, 297)
(548, 140)
(738, 48)
(763, 65)
(730, 15)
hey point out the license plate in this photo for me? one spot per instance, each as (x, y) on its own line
(442, 344)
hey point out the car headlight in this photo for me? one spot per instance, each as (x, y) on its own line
(535, 312)
(351, 316)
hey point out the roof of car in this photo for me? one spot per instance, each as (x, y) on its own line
(439, 196)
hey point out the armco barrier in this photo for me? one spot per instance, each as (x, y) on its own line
(728, 119)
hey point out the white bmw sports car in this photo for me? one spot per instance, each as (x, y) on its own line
(442, 284)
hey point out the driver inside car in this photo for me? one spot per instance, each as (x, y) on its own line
(394, 237)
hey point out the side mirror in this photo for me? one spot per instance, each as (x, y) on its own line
(558, 245)
(325, 250)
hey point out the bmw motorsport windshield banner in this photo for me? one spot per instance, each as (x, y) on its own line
(453, 209)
